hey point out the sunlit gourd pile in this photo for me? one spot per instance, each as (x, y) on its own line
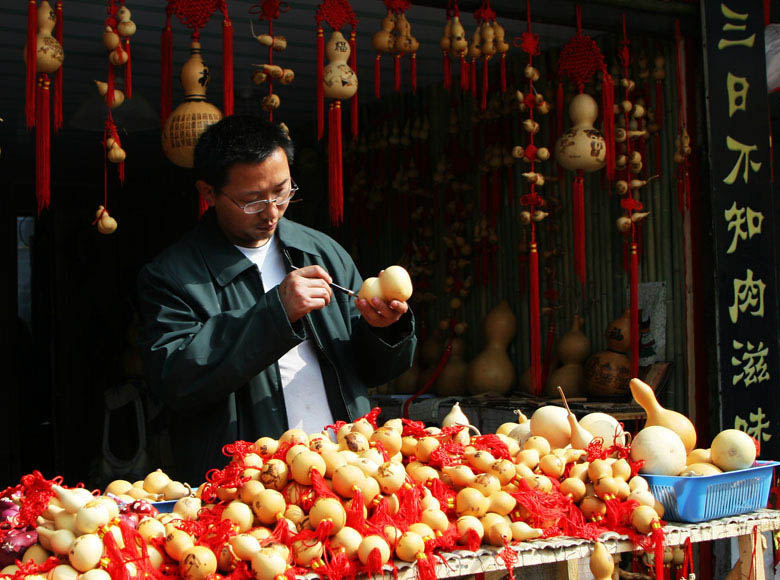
(348, 501)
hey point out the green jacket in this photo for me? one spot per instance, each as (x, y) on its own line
(211, 338)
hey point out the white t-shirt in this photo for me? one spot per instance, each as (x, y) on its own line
(302, 385)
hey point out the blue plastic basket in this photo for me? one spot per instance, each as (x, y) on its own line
(165, 506)
(708, 497)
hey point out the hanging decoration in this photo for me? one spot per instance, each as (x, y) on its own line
(488, 40)
(118, 29)
(630, 166)
(395, 37)
(337, 81)
(270, 10)
(533, 103)
(182, 128)
(43, 56)
(583, 148)
(454, 44)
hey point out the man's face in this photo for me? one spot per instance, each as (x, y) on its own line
(248, 182)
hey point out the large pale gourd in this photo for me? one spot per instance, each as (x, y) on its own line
(48, 51)
(551, 422)
(733, 449)
(657, 415)
(338, 79)
(582, 146)
(604, 426)
(661, 449)
(185, 124)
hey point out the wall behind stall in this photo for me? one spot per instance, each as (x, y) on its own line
(386, 235)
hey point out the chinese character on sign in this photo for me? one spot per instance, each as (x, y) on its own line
(740, 26)
(748, 293)
(744, 156)
(759, 427)
(736, 218)
(754, 369)
(737, 89)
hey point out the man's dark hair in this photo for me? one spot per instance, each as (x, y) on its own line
(237, 139)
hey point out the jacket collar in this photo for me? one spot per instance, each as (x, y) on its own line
(226, 262)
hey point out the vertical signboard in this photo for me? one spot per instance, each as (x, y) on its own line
(742, 225)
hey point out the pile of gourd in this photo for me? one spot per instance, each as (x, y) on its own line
(306, 503)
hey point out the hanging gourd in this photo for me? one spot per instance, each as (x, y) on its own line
(43, 56)
(116, 38)
(270, 10)
(582, 148)
(395, 37)
(454, 44)
(126, 28)
(488, 40)
(337, 81)
(183, 126)
(118, 26)
(531, 103)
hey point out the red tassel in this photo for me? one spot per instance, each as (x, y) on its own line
(658, 537)
(414, 72)
(121, 170)
(42, 145)
(426, 569)
(31, 50)
(355, 514)
(128, 70)
(227, 65)
(464, 74)
(485, 83)
(446, 70)
(166, 68)
(110, 83)
(503, 72)
(320, 87)
(397, 72)
(473, 78)
(378, 75)
(533, 307)
(353, 102)
(578, 226)
(335, 187)
(57, 97)
(634, 310)
(559, 110)
(607, 105)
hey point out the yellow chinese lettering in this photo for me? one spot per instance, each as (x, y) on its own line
(737, 90)
(735, 216)
(748, 293)
(744, 156)
(737, 26)
(757, 428)
(754, 369)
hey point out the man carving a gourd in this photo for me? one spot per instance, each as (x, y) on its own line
(243, 335)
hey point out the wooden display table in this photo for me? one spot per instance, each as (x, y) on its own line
(566, 551)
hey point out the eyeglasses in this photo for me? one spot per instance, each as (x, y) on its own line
(262, 204)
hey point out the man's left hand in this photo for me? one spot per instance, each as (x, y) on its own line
(379, 313)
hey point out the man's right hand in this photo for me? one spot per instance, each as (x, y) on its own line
(304, 290)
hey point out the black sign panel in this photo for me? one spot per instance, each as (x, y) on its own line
(745, 267)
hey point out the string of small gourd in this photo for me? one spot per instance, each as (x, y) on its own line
(270, 10)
